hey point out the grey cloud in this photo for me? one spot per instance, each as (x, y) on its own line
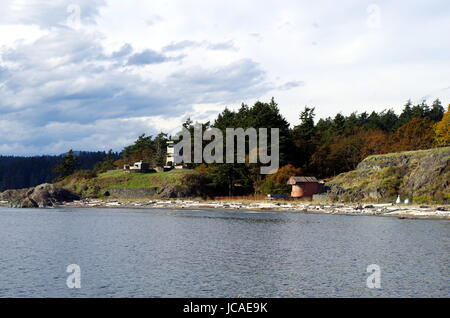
(236, 81)
(148, 57)
(65, 80)
(57, 137)
(182, 45)
(57, 48)
(177, 46)
(291, 85)
(3, 73)
(125, 50)
(222, 46)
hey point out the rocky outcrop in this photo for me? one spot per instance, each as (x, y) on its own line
(422, 175)
(173, 191)
(11, 195)
(192, 185)
(42, 196)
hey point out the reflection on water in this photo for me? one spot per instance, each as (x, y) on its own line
(179, 253)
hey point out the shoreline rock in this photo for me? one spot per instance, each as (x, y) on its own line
(42, 196)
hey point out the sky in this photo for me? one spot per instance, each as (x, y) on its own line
(95, 74)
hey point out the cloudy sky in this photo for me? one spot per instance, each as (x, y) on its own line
(95, 74)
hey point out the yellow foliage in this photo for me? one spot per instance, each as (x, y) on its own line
(442, 130)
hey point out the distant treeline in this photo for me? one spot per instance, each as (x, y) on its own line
(24, 172)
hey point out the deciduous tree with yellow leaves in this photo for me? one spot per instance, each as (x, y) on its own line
(442, 130)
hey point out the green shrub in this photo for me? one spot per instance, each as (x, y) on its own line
(84, 174)
(92, 192)
(422, 199)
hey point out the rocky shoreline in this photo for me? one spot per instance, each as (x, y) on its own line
(48, 196)
(387, 210)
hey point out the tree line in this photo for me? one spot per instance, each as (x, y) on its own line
(321, 148)
(25, 172)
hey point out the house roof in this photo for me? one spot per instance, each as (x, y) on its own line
(295, 180)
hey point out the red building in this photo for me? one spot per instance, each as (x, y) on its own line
(304, 186)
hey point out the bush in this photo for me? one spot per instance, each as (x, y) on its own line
(84, 174)
(197, 184)
(77, 176)
(92, 192)
(276, 183)
(422, 199)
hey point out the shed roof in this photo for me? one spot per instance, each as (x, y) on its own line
(295, 180)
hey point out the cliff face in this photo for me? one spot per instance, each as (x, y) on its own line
(423, 176)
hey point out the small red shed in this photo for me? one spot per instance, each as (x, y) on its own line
(304, 186)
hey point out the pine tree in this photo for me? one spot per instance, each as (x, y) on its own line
(107, 163)
(437, 111)
(68, 165)
(306, 128)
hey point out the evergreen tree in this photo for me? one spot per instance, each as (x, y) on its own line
(303, 136)
(420, 110)
(406, 114)
(437, 111)
(237, 177)
(107, 163)
(68, 165)
(351, 123)
(160, 145)
(388, 120)
(306, 128)
(338, 124)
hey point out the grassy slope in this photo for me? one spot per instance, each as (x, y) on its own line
(119, 179)
(417, 153)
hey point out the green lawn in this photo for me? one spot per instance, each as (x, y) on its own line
(120, 179)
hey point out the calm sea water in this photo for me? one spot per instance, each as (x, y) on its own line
(169, 253)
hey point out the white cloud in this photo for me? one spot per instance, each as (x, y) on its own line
(155, 63)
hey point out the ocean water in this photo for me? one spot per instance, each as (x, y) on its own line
(180, 253)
